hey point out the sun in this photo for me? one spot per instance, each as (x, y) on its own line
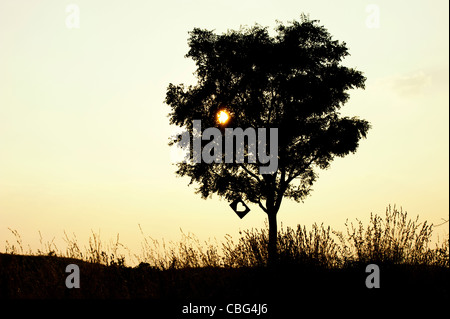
(223, 117)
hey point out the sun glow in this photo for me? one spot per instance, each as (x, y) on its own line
(223, 117)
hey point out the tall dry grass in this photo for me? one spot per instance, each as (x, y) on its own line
(394, 239)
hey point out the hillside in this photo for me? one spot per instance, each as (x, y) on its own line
(282, 288)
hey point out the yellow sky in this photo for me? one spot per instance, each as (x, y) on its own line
(83, 127)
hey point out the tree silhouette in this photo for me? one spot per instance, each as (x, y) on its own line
(293, 81)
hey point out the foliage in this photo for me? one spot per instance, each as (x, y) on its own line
(292, 81)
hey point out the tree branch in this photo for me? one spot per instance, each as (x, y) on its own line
(281, 188)
(262, 207)
(292, 176)
(250, 172)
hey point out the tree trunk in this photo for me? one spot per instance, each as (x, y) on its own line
(273, 232)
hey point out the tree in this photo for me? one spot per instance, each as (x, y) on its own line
(293, 81)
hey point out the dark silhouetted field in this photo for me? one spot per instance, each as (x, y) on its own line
(316, 267)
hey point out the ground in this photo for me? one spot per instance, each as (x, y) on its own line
(287, 288)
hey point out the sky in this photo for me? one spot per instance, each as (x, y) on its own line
(84, 130)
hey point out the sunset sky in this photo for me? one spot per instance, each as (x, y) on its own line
(84, 130)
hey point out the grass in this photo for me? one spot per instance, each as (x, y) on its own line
(394, 239)
(315, 261)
